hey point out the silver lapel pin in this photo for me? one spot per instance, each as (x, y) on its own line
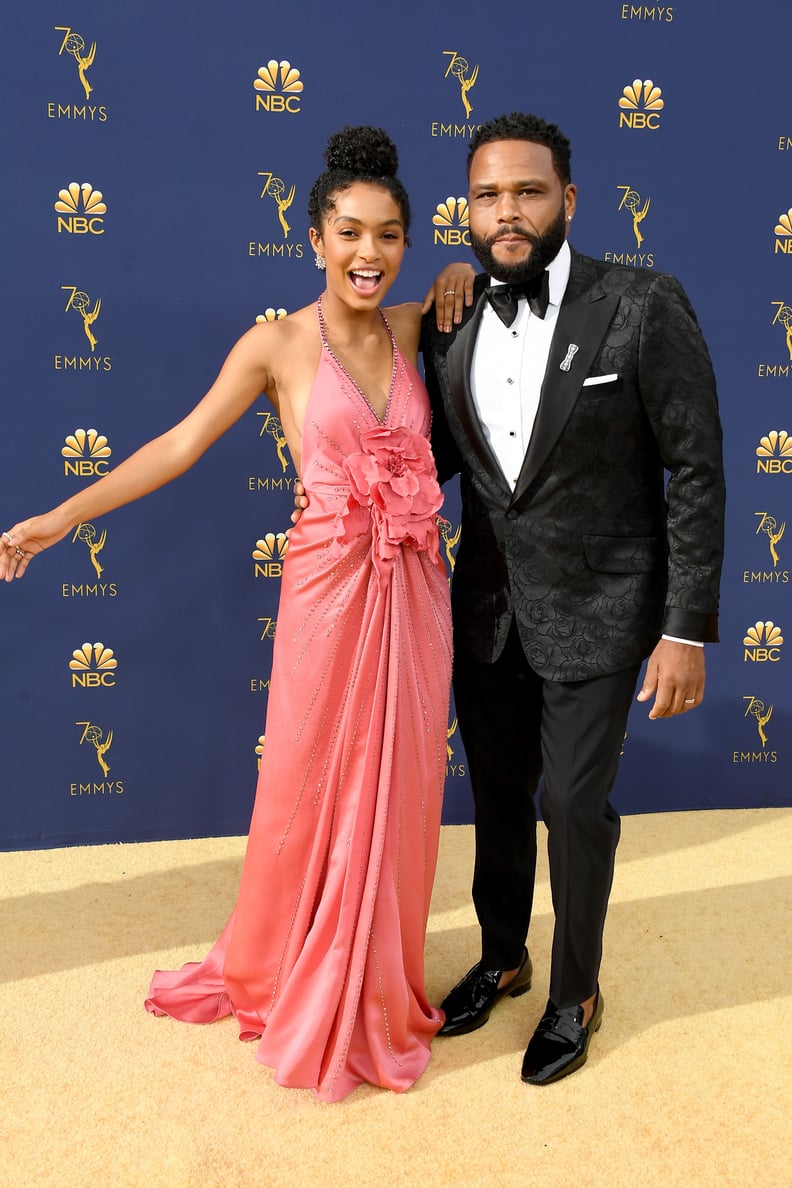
(572, 350)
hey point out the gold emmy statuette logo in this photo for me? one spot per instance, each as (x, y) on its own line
(631, 201)
(81, 302)
(450, 537)
(259, 751)
(458, 68)
(269, 553)
(268, 628)
(87, 534)
(762, 642)
(92, 666)
(93, 735)
(783, 318)
(757, 709)
(768, 525)
(272, 427)
(774, 453)
(278, 85)
(452, 769)
(641, 104)
(451, 222)
(783, 232)
(271, 315)
(74, 44)
(452, 729)
(72, 201)
(85, 453)
(274, 188)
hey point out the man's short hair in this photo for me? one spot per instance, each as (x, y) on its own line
(521, 126)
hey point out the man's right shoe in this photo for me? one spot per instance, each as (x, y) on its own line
(469, 1005)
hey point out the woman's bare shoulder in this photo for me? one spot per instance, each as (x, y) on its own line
(281, 334)
(405, 321)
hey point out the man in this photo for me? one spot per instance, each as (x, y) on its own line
(575, 559)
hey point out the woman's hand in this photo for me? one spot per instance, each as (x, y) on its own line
(18, 545)
(450, 293)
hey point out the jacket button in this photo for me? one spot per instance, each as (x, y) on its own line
(512, 513)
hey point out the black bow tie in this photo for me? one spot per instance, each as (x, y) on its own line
(504, 298)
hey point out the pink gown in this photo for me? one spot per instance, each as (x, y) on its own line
(322, 959)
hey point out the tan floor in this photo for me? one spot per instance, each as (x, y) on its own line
(688, 1082)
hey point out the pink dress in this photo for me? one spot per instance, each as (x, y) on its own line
(322, 959)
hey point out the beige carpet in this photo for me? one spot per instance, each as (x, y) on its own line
(688, 1082)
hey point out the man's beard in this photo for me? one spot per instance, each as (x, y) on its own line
(545, 248)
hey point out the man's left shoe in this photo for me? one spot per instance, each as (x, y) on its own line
(468, 1006)
(560, 1043)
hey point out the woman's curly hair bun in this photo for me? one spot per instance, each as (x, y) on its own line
(362, 151)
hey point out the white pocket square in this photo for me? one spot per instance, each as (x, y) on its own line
(599, 379)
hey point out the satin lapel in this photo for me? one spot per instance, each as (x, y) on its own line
(583, 321)
(459, 361)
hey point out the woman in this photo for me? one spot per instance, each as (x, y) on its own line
(323, 955)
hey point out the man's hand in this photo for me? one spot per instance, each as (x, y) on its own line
(675, 675)
(300, 501)
(450, 293)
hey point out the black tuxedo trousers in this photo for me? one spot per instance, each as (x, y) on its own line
(521, 731)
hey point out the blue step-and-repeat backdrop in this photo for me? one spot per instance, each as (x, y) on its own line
(158, 161)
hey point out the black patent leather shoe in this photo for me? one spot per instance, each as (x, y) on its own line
(468, 1006)
(560, 1043)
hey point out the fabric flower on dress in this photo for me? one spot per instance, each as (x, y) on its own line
(394, 494)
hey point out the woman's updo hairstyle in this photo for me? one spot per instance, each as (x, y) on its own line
(352, 155)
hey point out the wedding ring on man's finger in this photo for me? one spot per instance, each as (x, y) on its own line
(690, 701)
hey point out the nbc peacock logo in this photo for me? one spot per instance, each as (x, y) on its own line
(783, 233)
(85, 453)
(451, 223)
(93, 666)
(762, 642)
(278, 87)
(80, 209)
(271, 315)
(774, 453)
(259, 750)
(268, 555)
(640, 105)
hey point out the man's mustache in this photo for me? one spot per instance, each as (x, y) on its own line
(510, 233)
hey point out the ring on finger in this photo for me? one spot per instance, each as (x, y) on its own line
(690, 701)
(8, 537)
(449, 293)
(20, 552)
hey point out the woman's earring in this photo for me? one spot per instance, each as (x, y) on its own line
(320, 262)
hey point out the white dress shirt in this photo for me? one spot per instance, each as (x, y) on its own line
(509, 363)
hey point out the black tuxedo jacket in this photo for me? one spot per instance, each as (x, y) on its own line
(613, 534)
